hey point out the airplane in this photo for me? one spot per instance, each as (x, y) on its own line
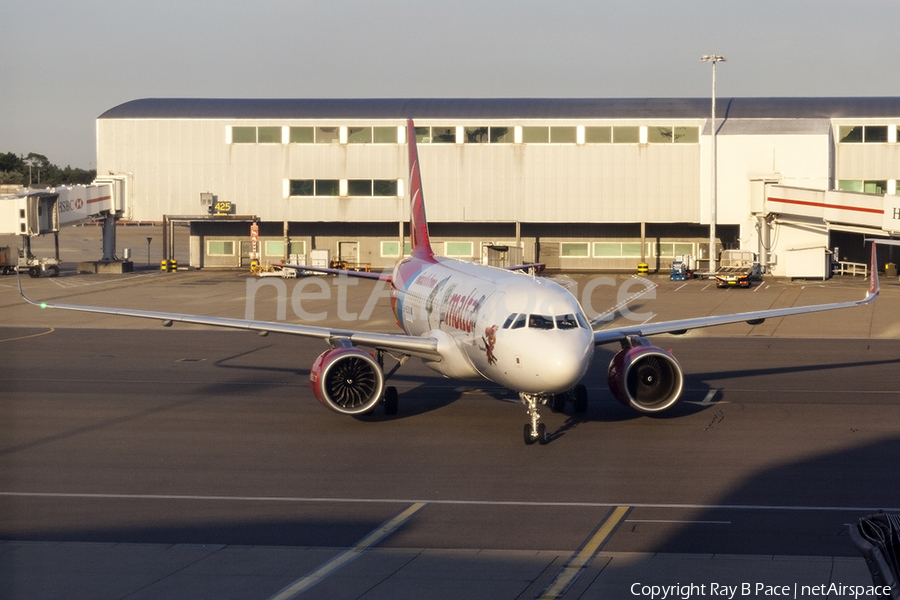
(473, 322)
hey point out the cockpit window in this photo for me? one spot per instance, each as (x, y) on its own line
(540, 322)
(566, 322)
(582, 321)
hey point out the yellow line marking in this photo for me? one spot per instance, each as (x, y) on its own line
(308, 581)
(25, 337)
(579, 562)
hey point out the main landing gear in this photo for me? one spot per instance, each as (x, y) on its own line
(535, 431)
(390, 399)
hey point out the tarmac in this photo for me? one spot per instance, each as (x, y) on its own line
(44, 570)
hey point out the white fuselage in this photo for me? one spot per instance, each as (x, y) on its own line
(525, 333)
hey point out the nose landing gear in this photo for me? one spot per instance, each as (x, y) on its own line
(535, 431)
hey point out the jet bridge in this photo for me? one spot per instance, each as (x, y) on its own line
(811, 215)
(32, 213)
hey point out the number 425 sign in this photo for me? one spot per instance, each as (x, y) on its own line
(224, 208)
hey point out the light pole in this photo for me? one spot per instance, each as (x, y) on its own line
(713, 58)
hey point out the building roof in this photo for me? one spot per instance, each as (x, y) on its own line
(504, 108)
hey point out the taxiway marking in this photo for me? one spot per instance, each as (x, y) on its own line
(576, 565)
(445, 502)
(308, 581)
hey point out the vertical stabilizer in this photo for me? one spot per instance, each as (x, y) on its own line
(418, 225)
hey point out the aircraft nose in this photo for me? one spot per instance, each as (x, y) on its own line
(559, 361)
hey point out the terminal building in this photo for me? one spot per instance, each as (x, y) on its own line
(578, 184)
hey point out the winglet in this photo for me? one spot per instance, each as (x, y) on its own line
(22, 293)
(418, 225)
(874, 287)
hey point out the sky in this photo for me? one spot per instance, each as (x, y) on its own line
(64, 63)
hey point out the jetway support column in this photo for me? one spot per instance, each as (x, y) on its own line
(762, 234)
(109, 237)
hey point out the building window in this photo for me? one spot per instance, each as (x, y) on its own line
(219, 248)
(385, 187)
(268, 135)
(535, 135)
(302, 187)
(574, 249)
(436, 135)
(274, 248)
(687, 135)
(563, 135)
(459, 248)
(328, 187)
(297, 247)
(627, 134)
(867, 186)
(631, 249)
(390, 249)
(302, 135)
(243, 135)
(256, 135)
(660, 135)
(359, 187)
(673, 249)
(863, 134)
(607, 249)
(476, 135)
(328, 135)
(597, 135)
(385, 135)
(359, 135)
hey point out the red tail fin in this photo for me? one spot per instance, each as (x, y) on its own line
(418, 225)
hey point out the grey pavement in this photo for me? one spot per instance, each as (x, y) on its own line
(43, 570)
(99, 571)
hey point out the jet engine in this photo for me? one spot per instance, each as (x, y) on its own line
(347, 380)
(644, 377)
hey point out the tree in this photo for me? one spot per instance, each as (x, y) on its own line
(35, 168)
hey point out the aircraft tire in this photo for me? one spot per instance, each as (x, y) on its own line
(391, 401)
(580, 399)
(542, 434)
(558, 403)
(528, 439)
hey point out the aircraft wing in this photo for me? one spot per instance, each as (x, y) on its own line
(680, 326)
(364, 274)
(423, 347)
(526, 266)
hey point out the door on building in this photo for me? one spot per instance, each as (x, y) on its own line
(246, 246)
(348, 252)
(548, 253)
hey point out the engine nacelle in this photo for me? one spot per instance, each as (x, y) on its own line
(347, 380)
(646, 378)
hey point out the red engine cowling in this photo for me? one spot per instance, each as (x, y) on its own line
(646, 378)
(347, 380)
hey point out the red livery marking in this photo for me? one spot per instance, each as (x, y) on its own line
(876, 211)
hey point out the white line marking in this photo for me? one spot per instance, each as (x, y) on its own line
(680, 286)
(308, 581)
(677, 521)
(707, 401)
(299, 500)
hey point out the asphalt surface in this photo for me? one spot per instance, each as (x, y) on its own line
(138, 461)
